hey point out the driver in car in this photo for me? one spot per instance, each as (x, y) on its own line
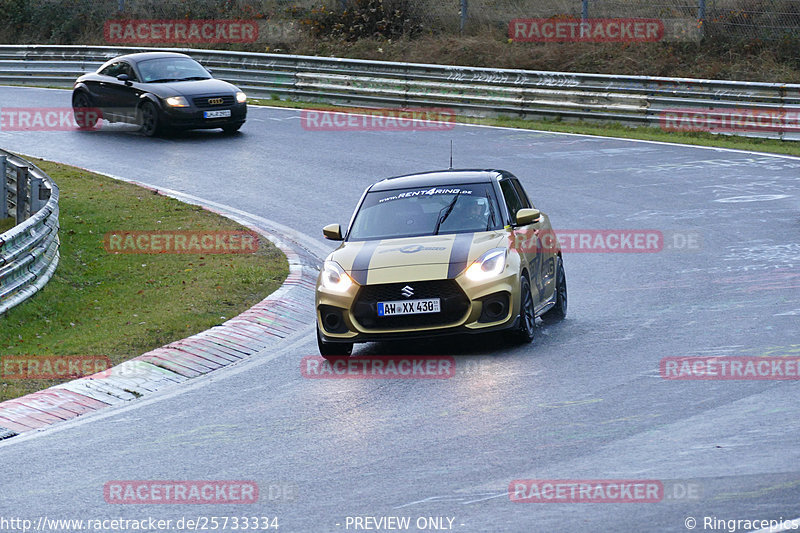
(469, 214)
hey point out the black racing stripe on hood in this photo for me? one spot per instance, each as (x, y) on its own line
(459, 254)
(362, 261)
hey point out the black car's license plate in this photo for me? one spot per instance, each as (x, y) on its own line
(221, 113)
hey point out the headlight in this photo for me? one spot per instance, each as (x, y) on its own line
(489, 265)
(334, 278)
(241, 97)
(177, 101)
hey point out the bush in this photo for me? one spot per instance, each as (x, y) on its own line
(362, 19)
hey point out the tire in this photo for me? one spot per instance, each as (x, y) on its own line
(527, 316)
(558, 311)
(148, 119)
(230, 130)
(85, 121)
(333, 350)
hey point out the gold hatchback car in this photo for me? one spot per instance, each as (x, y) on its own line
(436, 253)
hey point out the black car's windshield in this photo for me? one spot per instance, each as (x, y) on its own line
(165, 69)
(426, 211)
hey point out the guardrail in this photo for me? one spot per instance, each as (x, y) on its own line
(29, 250)
(634, 100)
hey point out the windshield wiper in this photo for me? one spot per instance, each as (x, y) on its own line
(443, 217)
(163, 80)
(194, 78)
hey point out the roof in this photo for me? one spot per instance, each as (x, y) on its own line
(141, 56)
(438, 178)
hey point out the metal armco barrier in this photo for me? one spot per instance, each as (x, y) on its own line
(29, 250)
(633, 100)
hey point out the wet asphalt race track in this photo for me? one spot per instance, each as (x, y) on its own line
(584, 401)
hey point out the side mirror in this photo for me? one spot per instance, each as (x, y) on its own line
(333, 232)
(124, 78)
(528, 216)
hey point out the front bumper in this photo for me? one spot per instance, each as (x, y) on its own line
(193, 118)
(420, 334)
(349, 317)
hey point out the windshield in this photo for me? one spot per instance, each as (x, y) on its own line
(426, 211)
(172, 69)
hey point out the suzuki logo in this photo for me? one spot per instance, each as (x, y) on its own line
(215, 101)
(407, 291)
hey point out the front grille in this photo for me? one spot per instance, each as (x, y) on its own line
(454, 304)
(203, 102)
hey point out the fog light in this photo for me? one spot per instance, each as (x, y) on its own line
(495, 307)
(332, 319)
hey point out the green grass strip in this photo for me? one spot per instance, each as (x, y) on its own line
(123, 305)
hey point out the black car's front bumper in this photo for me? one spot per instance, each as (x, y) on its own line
(193, 118)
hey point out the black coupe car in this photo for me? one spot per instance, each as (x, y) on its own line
(158, 91)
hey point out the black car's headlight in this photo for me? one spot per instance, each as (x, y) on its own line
(241, 97)
(489, 265)
(177, 101)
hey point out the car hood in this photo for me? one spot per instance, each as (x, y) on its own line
(190, 89)
(415, 258)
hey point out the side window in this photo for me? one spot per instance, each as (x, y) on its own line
(113, 70)
(521, 193)
(512, 200)
(127, 69)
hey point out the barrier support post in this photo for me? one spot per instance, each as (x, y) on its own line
(3, 189)
(39, 194)
(22, 193)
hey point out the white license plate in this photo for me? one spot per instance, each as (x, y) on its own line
(222, 113)
(409, 307)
